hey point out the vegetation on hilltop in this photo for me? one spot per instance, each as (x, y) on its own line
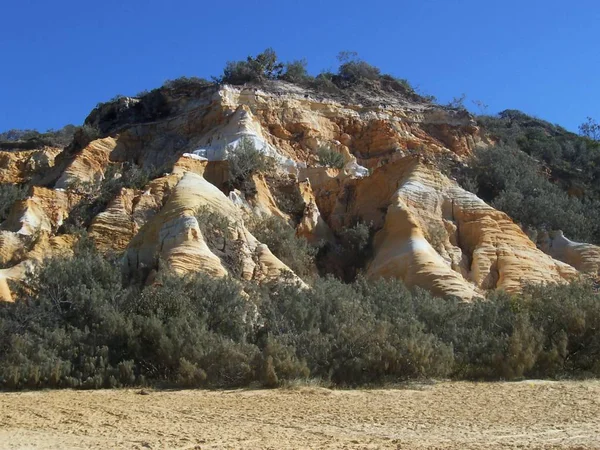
(30, 139)
(352, 72)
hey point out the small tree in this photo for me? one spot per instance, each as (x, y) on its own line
(295, 72)
(262, 67)
(590, 129)
(458, 102)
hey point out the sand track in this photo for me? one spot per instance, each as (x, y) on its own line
(438, 416)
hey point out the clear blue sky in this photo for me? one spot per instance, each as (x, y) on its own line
(62, 57)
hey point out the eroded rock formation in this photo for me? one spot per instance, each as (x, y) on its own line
(427, 230)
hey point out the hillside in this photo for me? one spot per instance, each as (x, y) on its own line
(278, 180)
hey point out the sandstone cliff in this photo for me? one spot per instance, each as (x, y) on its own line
(427, 230)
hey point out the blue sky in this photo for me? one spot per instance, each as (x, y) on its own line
(60, 58)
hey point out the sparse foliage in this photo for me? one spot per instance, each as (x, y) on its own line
(246, 160)
(458, 102)
(330, 158)
(590, 129)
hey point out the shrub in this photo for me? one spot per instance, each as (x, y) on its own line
(514, 183)
(338, 333)
(401, 85)
(330, 158)
(75, 325)
(354, 71)
(262, 67)
(346, 257)
(324, 83)
(287, 195)
(295, 72)
(182, 83)
(246, 160)
(215, 227)
(281, 239)
(9, 194)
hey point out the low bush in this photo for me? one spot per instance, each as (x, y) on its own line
(295, 72)
(330, 158)
(515, 183)
(263, 66)
(75, 325)
(246, 160)
(281, 239)
(181, 82)
(9, 194)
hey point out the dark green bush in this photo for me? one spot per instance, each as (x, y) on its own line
(181, 82)
(295, 72)
(246, 160)
(515, 183)
(9, 194)
(281, 239)
(75, 325)
(264, 66)
(354, 71)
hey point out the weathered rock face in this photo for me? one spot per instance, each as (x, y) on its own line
(583, 257)
(428, 231)
(89, 164)
(438, 236)
(18, 166)
(174, 236)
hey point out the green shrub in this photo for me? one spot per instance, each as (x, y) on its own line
(295, 72)
(354, 71)
(182, 83)
(281, 239)
(262, 67)
(216, 227)
(324, 82)
(75, 325)
(514, 183)
(246, 160)
(330, 158)
(9, 194)
(349, 254)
